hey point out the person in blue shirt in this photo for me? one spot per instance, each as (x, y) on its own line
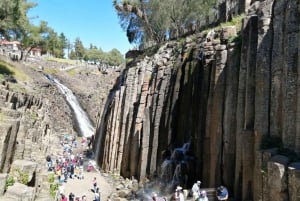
(222, 193)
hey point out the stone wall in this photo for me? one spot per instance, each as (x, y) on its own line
(226, 94)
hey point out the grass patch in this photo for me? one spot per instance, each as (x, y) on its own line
(18, 88)
(50, 70)
(8, 69)
(236, 21)
(4, 69)
(64, 61)
(72, 72)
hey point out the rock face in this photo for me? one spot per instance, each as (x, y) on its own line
(232, 98)
(91, 87)
(32, 121)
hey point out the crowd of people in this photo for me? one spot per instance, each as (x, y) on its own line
(70, 165)
(199, 194)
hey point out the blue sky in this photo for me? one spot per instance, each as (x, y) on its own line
(93, 21)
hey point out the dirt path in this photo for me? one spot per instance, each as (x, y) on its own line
(80, 187)
(84, 186)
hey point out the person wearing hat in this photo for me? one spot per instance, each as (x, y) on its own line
(203, 196)
(222, 193)
(196, 190)
(179, 194)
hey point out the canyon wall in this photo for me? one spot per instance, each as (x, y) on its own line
(33, 118)
(220, 106)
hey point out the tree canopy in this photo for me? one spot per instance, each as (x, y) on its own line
(16, 25)
(13, 17)
(152, 21)
(93, 54)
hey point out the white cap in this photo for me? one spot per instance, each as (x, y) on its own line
(179, 188)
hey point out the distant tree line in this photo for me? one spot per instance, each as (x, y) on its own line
(154, 21)
(95, 55)
(16, 25)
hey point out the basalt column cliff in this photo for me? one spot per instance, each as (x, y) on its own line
(221, 106)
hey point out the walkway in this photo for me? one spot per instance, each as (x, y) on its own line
(80, 187)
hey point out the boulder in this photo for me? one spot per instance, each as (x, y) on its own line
(23, 167)
(124, 193)
(277, 180)
(20, 192)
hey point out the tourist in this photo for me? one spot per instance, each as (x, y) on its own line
(97, 194)
(90, 166)
(49, 162)
(61, 190)
(154, 196)
(80, 176)
(94, 182)
(203, 196)
(71, 196)
(222, 193)
(179, 194)
(76, 172)
(83, 198)
(196, 190)
(64, 198)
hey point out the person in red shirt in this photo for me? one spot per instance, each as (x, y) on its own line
(64, 198)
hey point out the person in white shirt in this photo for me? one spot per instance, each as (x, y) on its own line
(196, 190)
(179, 194)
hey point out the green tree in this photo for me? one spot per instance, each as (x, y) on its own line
(133, 16)
(69, 47)
(34, 36)
(92, 54)
(72, 55)
(151, 21)
(63, 44)
(79, 49)
(13, 17)
(53, 44)
(115, 57)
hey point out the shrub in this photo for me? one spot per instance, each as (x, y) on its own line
(9, 181)
(51, 178)
(53, 189)
(22, 177)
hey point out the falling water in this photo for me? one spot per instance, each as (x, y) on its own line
(84, 123)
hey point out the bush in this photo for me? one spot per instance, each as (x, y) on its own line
(53, 189)
(9, 181)
(51, 178)
(22, 177)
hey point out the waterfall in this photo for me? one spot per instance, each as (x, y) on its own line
(84, 123)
